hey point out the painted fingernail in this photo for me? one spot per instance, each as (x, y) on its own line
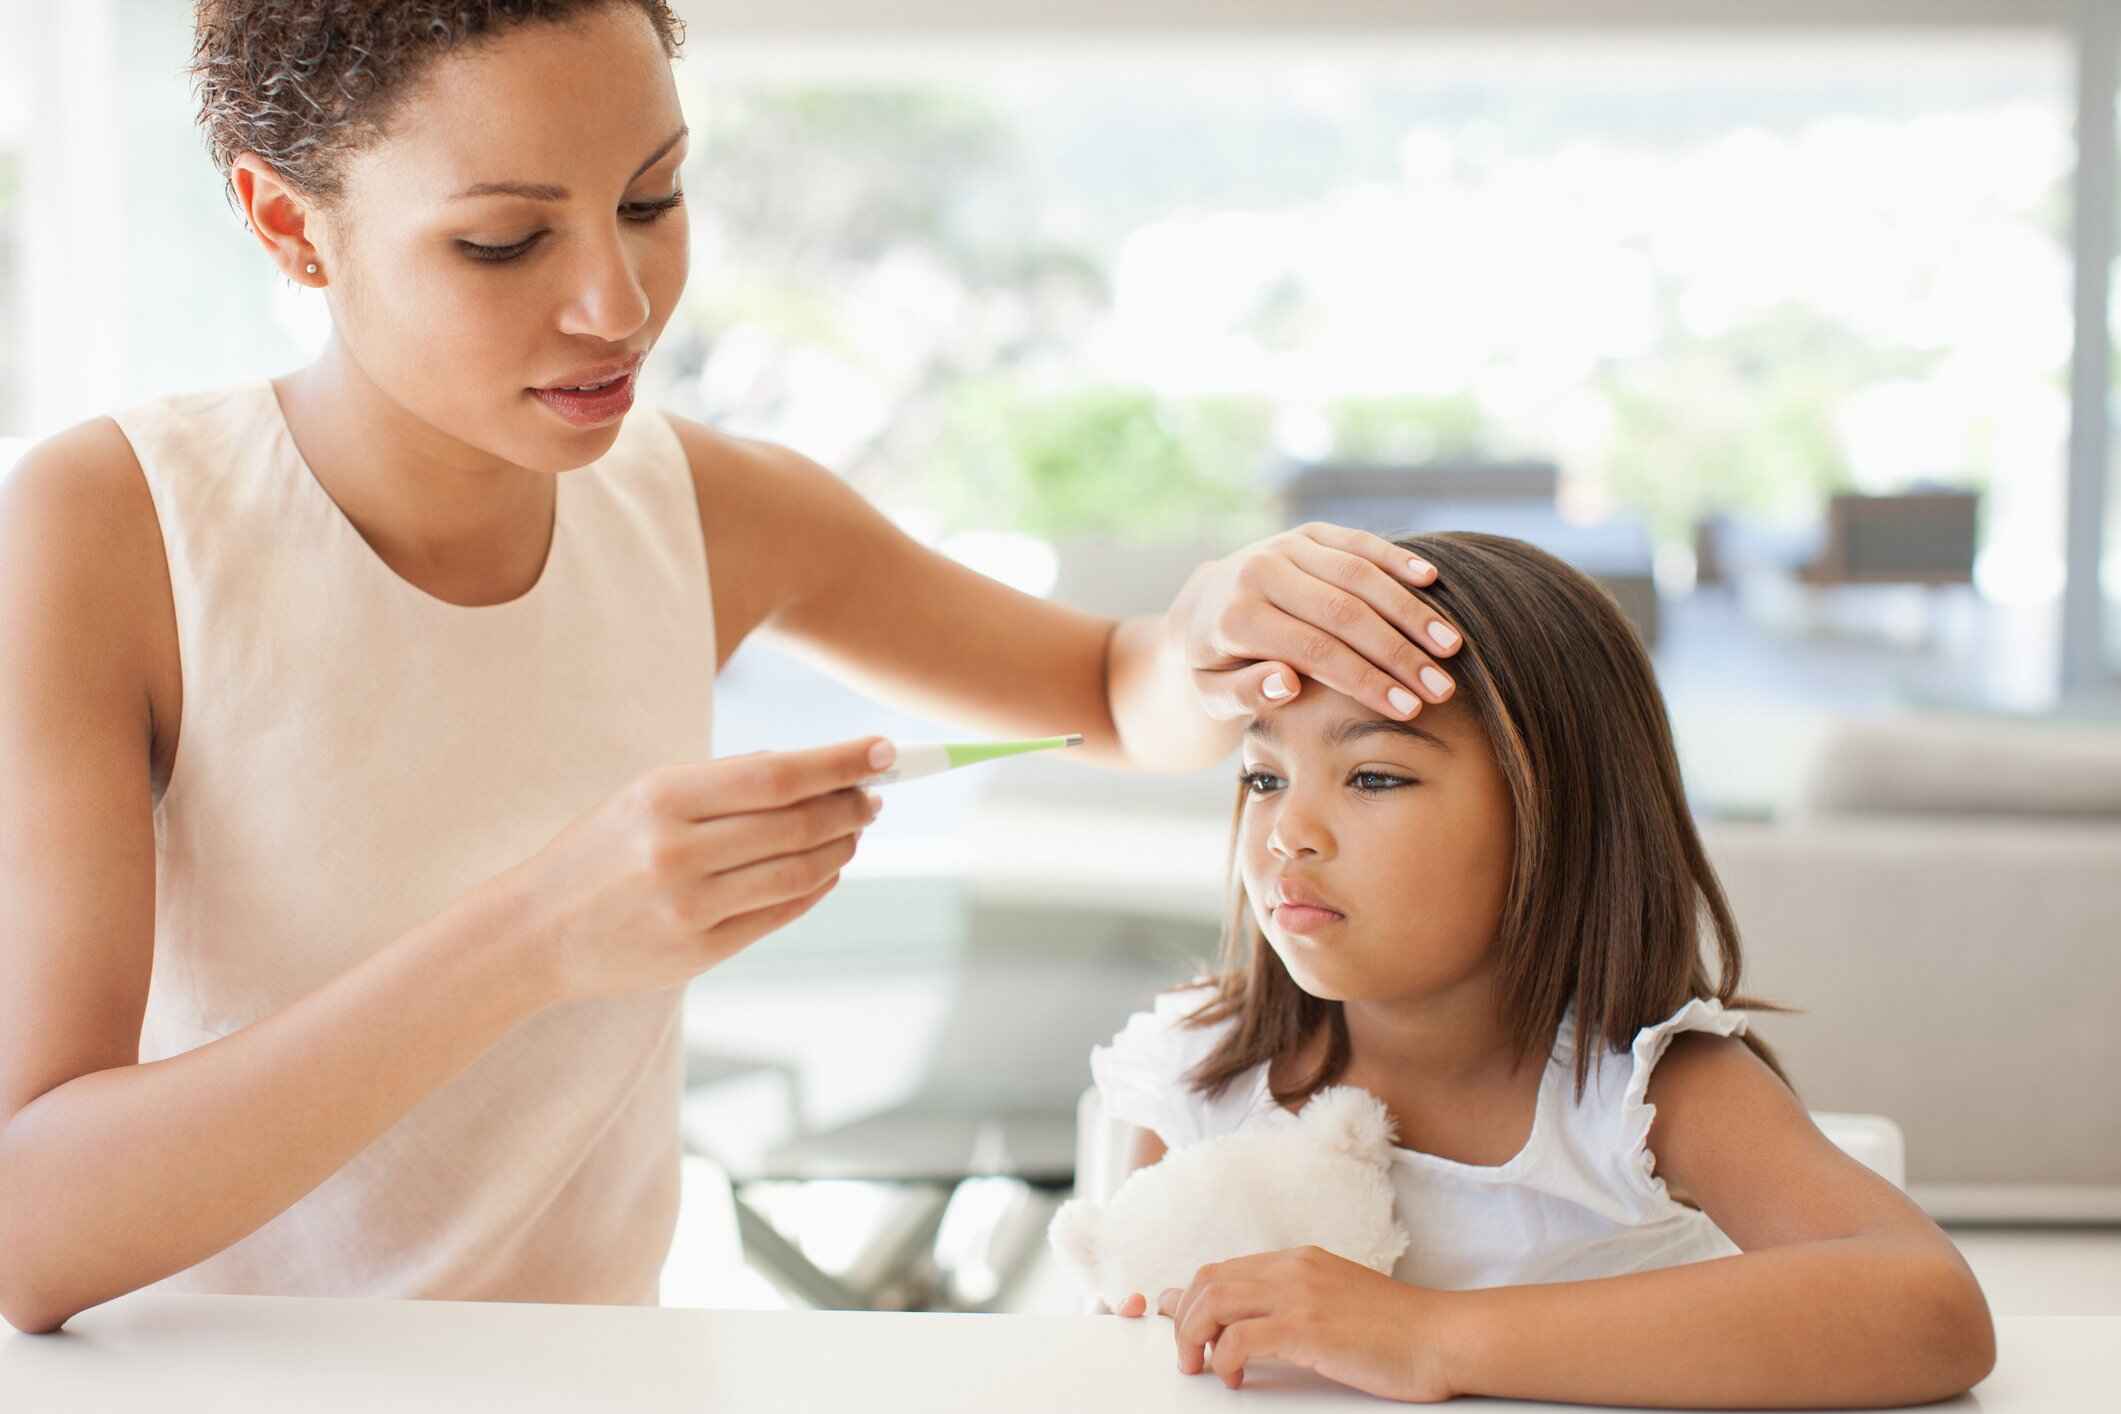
(882, 755)
(1276, 687)
(1403, 701)
(1443, 634)
(1436, 682)
(1420, 568)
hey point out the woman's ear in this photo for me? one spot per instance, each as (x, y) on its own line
(279, 217)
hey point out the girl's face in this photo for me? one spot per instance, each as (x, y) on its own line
(1401, 830)
(517, 228)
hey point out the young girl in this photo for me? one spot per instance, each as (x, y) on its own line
(1488, 918)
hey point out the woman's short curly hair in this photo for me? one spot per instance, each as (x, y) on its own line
(303, 83)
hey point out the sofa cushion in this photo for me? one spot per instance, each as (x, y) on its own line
(1965, 765)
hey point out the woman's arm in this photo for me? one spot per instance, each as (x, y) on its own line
(793, 549)
(1846, 1293)
(115, 1174)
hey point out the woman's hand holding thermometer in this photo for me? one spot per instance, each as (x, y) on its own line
(931, 758)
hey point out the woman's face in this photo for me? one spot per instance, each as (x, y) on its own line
(1402, 830)
(516, 229)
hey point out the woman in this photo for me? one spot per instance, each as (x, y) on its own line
(358, 826)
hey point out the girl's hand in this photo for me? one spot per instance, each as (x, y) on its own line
(1322, 602)
(1325, 1313)
(688, 865)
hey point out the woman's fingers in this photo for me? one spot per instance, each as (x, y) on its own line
(1274, 634)
(730, 841)
(1360, 575)
(763, 780)
(1346, 642)
(740, 932)
(1399, 563)
(1246, 691)
(725, 896)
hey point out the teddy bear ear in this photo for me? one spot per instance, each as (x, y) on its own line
(1350, 1119)
(1073, 1234)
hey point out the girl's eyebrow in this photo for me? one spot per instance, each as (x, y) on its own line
(537, 191)
(1353, 729)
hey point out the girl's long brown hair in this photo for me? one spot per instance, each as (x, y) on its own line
(1609, 886)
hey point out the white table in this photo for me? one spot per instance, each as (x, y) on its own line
(192, 1354)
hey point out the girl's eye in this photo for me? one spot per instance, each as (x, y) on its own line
(638, 212)
(1377, 782)
(1258, 782)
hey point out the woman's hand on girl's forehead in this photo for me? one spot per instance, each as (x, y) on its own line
(1320, 601)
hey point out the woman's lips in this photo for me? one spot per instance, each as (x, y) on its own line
(591, 409)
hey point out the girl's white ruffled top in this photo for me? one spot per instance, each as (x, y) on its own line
(1578, 1201)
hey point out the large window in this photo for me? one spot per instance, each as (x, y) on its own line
(1715, 282)
(1103, 293)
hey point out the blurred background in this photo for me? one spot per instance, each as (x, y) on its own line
(1788, 321)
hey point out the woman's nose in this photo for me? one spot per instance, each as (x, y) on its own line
(607, 301)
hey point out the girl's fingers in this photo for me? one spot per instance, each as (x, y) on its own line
(1246, 691)
(1134, 1306)
(1245, 1341)
(1214, 1306)
(1343, 617)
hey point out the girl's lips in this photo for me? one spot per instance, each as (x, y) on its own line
(1303, 918)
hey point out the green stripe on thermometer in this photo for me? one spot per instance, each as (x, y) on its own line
(932, 758)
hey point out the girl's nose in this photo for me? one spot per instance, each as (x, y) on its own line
(1298, 831)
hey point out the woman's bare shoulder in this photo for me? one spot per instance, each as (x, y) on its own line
(84, 583)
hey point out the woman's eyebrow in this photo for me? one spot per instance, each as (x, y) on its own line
(539, 191)
(1264, 728)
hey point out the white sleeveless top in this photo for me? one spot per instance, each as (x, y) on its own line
(354, 755)
(1578, 1201)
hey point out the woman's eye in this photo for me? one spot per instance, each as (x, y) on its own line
(498, 252)
(638, 212)
(645, 211)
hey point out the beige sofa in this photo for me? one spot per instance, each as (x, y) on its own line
(1945, 906)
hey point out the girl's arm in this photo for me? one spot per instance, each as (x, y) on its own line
(1846, 1293)
(794, 549)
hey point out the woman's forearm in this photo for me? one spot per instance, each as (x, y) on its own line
(1864, 1321)
(122, 1177)
(1161, 724)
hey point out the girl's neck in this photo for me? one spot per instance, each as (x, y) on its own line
(1455, 1038)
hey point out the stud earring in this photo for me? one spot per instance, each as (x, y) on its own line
(312, 267)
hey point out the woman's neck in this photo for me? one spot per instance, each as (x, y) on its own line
(454, 521)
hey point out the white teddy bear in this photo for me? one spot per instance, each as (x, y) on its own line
(1321, 1181)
